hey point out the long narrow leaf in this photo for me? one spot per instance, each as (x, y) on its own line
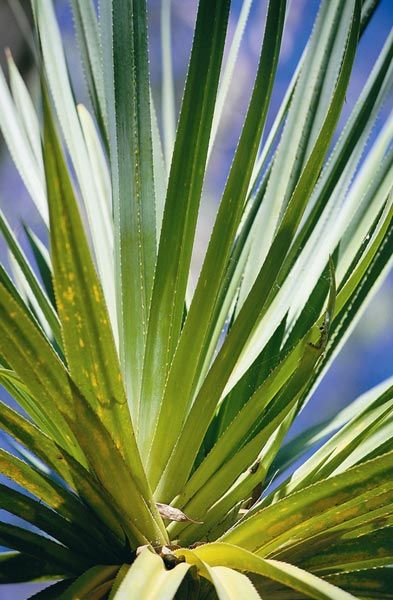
(179, 222)
(88, 338)
(87, 583)
(321, 497)
(17, 567)
(237, 558)
(48, 521)
(40, 547)
(36, 288)
(42, 259)
(88, 37)
(27, 113)
(22, 154)
(30, 354)
(51, 492)
(217, 378)
(130, 142)
(228, 70)
(147, 579)
(168, 86)
(190, 353)
(55, 67)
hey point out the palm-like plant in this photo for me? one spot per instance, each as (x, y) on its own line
(157, 415)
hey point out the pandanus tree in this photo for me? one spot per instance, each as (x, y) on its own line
(150, 449)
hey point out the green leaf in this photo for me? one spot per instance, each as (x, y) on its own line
(313, 509)
(250, 484)
(88, 338)
(258, 372)
(378, 441)
(133, 503)
(368, 9)
(86, 26)
(228, 71)
(39, 293)
(331, 457)
(25, 161)
(98, 163)
(17, 390)
(148, 579)
(213, 383)
(18, 289)
(49, 491)
(299, 445)
(52, 523)
(28, 299)
(26, 111)
(239, 349)
(26, 349)
(55, 68)
(130, 140)
(267, 146)
(367, 583)
(367, 551)
(264, 290)
(179, 221)
(292, 372)
(167, 85)
(43, 262)
(372, 511)
(72, 472)
(122, 572)
(194, 341)
(366, 272)
(352, 299)
(27, 433)
(40, 547)
(340, 219)
(17, 567)
(233, 557)
(209, 483)
(325, 205)
(160, 173)
(358, 124)
(86, 585)
(378, 169)
(315, 86)
(291, 375)
(229, 584)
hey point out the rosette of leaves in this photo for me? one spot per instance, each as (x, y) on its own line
(154, 417)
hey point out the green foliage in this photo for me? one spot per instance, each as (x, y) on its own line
(154, 419)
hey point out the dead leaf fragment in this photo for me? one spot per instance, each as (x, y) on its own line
(173, 514)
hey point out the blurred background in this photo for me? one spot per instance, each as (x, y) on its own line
(367, 358)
